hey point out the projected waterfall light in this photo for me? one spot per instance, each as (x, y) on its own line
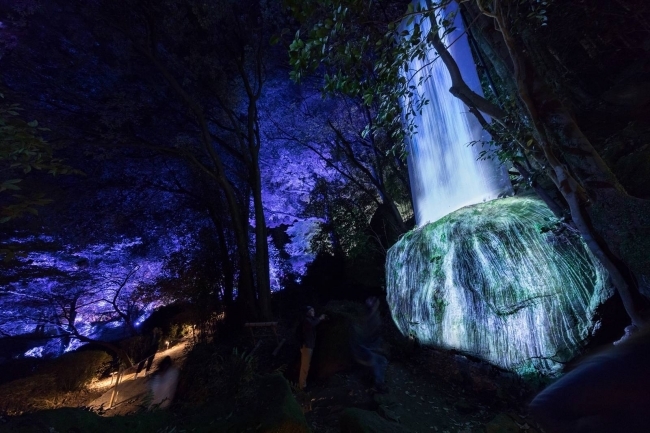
(484, 280)
(479, 276)
(443, 164)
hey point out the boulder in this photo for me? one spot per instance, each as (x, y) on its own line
(498, 281)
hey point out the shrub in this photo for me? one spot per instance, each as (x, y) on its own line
(30, 393)
(138, 347)
(74, 370)
(212, 371)
(198, 378)
(237, 371)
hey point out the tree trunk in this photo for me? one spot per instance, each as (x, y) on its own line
(586, 182)
(246, 289)
(261, 244)
(541, 193)
(245, 286)
(227, 267)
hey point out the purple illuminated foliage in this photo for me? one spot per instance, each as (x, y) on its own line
(153, 219)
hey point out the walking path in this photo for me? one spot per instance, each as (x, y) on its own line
(131, 391)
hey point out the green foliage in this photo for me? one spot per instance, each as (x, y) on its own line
(78, 419)
(274, 410)
(362, 48)
(211, 372)
(23, 150)
(29, 393)
(199, 377)
(53, 383)
(238, 370)
(74, 370)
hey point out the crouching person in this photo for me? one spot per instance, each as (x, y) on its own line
(607, 393)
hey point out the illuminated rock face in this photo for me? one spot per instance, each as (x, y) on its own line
(484, 280)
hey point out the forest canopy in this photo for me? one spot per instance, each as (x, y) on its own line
(159, 151)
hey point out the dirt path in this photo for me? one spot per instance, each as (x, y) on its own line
(132, 391)
(416, 401)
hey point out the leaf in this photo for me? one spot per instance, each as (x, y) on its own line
(10, 184)
(33, 123)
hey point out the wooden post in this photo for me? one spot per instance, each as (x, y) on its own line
(277, 349)
(115, 392)
(255, 348)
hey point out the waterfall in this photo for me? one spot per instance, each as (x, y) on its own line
(444, 167)
(486, 277)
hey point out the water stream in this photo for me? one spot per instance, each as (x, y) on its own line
(444, 167)
(483, 275)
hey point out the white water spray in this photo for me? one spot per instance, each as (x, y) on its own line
(445, 170)
(480, 275)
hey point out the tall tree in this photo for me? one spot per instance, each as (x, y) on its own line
(364, 125)
(613, 224)
(181, 78)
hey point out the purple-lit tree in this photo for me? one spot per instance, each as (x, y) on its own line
(353, 172)
(56, 294)
(178, 78)
(221, 96)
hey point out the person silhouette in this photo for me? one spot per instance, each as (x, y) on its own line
(606, 393)
(366, 343)
(307, 343)
(163, 384)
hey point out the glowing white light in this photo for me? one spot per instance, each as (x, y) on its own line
(484, 280)
(443, 165)
(36, 352)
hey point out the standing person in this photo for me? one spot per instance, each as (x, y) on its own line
(367, 344)
(151, 352)
(163, 384)
(308, 336)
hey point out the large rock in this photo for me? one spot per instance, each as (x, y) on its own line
(492, 281)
